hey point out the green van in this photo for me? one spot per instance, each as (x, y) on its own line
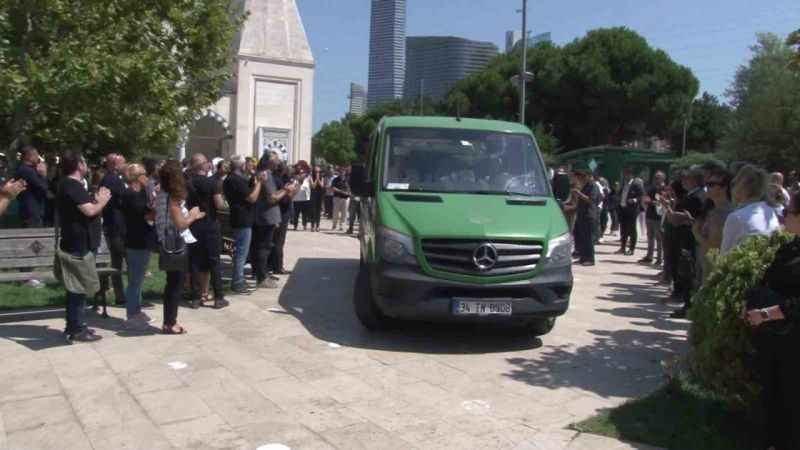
(458, 223)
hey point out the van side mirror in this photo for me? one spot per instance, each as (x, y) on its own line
(359, 184)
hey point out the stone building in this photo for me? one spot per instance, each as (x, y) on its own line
(268, 104)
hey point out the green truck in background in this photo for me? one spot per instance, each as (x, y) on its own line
(459, 223)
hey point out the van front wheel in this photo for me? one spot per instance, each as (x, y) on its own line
(540, 327)
(367, 311)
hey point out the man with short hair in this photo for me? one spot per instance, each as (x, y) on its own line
(241, 192)
(76, 211)
(630, 201)
(683, 217)
(204, 262)
(32, 201)
(114, 220)
(653, 217)
(341, 199)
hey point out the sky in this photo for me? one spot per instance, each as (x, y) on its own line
(711, 37)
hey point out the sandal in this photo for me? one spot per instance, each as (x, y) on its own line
(174, 329)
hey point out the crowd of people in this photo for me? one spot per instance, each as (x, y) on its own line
(176, 209)
(704, 208)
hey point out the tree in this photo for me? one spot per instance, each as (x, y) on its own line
(122, 74)
(794, 41)
(608, 87)
(335, 143)
(766, 97)
(708, 123)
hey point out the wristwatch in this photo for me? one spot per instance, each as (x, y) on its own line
(764, 314)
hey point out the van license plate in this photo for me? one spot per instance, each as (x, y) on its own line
(481, 308)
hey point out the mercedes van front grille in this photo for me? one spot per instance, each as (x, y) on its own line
(482, 257)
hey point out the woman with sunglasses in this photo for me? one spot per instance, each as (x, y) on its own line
(139, 243)
(708, 232)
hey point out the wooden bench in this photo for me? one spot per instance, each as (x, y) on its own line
(27, 253)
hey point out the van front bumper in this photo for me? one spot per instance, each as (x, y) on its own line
(404, 292)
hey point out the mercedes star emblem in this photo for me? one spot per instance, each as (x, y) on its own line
(485, 257)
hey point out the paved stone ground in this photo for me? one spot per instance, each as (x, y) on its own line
(294, 367)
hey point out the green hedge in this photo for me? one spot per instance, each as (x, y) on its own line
(722, 355)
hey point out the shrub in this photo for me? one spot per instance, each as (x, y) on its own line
(722, 355)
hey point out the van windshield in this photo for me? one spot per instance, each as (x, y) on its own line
(463, 161)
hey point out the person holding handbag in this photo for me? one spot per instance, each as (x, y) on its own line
(75, 256)
(172, 225)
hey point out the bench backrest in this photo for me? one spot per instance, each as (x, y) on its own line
(35, 247)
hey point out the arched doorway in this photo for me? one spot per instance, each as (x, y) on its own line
(208, 136)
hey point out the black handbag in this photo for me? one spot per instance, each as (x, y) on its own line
(172, 255)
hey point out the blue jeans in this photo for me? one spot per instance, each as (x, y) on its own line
(137, 266)
(76, 313)
(243, 238)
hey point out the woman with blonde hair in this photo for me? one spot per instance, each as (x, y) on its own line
(753, 216)
(139, 243)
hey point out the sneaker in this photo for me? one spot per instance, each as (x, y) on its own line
(274, 277)
(587, 263)
(646, 260)
(85, 335)
(136, 323)
(268, 284)
(241, 290)
(221, 303)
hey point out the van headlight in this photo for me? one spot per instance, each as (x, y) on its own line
(559, 251)
(396, 247)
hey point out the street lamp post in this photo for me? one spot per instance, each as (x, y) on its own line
(523, 70)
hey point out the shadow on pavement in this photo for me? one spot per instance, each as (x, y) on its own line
(319, 294)
(618, 363)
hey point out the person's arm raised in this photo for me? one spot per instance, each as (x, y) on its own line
(255, 192)
(90, 209)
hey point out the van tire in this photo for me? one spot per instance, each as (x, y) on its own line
(367, 311)
(542, 326)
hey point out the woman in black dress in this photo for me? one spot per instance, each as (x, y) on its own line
(774, 313)
(317, 197)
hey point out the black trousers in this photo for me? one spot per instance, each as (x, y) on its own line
(260, 248)
(328, 203)
(585, 229)
(316, 208)
(76, 306)
(204, 257)
(779, 372)
(116, 247)
(604, 215)
(278, 241)
(304, 209)
(173, 291)
(355, 212)
(627, 230)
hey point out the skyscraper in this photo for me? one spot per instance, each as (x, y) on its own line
(434, 64)
(358, 99)
(387, 51)
(514, 39)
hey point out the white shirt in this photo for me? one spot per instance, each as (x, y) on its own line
(755, 219)
(304, 194)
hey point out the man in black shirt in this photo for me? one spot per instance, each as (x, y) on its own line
(33, 201)
(630, 200)
(241, 196)
(76, 210)
(268, 220)
(283, 182)
(341, 197)
(682, 219)
(654, 233)
(587, 215)
(114, 220)
(204, 254)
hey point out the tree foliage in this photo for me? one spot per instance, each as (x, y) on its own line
(766, 97)
(126, 74)
(334, 142)
(794, 41)
(709, 122)
(609, 87)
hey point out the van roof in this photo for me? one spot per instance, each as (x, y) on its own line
(452, 122)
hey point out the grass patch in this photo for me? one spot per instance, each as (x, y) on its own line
(680, 415)
(21, 296)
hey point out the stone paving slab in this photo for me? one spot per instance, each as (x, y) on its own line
(292, 366)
